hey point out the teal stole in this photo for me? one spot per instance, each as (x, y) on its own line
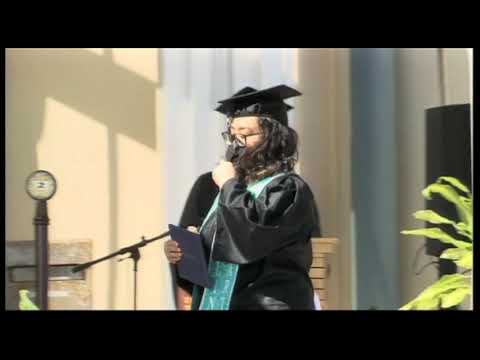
(224, 274)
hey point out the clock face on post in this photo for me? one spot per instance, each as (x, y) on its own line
(41, 185)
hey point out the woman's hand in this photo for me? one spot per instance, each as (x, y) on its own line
(223, 172)
(172, 250)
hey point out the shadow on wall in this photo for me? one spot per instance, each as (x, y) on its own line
(89, 83)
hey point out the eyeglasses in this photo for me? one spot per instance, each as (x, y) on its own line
(240, 139)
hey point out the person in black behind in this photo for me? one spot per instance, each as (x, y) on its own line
(263, 243)
(199, 201)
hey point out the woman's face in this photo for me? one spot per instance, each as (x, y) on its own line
(247, 130)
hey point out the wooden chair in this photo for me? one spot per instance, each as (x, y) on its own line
(320, 269)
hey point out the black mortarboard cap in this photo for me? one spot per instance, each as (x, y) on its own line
(252, 102)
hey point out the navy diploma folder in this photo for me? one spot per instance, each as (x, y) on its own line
(193, 264)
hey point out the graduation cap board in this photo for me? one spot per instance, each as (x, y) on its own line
(251, 102)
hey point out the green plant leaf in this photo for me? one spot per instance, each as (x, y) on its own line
(464, 230)
(425, 304)
(466, 234)
(466, 201)
(447, 283)
(462, 226)
(428, 304)
(455, 182)
(435, 218)
(432, 217)
(466, 261)
(445, 191)
(449, 290)
(455, 297)
(408, 306)
(449, 193)
(466, 213)
(439, 234)
(25, 303)
(454, 254)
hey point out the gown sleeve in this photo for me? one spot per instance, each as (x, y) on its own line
(199, 201)
(249, 229)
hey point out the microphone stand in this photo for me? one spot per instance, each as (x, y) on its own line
(134, 252)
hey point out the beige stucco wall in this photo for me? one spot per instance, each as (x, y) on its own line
(323, 125)
(92, 117)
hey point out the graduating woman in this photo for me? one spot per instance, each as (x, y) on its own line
(257, 231)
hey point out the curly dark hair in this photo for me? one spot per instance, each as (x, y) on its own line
(278, 152)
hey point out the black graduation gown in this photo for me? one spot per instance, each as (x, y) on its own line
(269, 237)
